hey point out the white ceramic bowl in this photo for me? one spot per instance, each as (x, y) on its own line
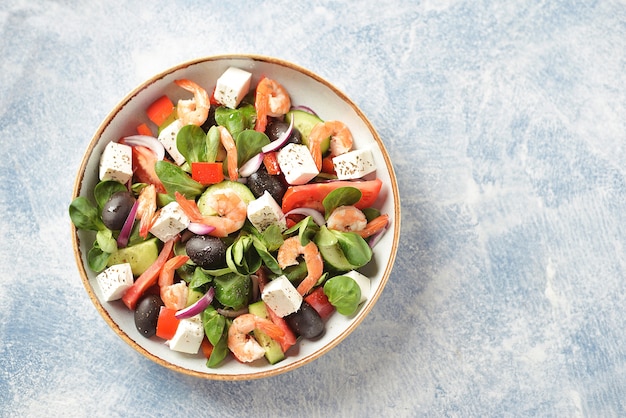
(305, 88)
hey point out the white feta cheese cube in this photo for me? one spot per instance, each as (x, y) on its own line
(116, 163)
(264, 211)
(114, 281)
(170, 221)
(363, 282)
(188, 336)
(232, 86)
(354, 164)
(168, 138)
(297, 164)
(281, 296)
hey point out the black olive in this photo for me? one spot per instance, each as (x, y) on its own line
(261, 180)
(116, 210)
(275, 128)
(147, 315)
(210, 120)
(306, 322)
(206, 251)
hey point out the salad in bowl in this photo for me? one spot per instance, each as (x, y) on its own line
(235, 217)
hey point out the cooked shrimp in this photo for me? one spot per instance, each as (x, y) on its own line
(231, 209)
(347, 218)
(352, 219)
(340, 139)
(193, 111)
(174, 296)
(271, 100)
(231, 152)
(243, 346)
(288, 254)
(374, 226)
(146, 209)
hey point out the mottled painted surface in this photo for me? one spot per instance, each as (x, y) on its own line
(506, 125)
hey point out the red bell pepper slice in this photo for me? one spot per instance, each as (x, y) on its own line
(144, 129)
(167, 323)
(206, 347)
(149, 277)
(327, 165)
(270, 161)
(207, 173)
(160, 110)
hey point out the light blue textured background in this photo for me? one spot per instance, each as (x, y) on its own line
(506, 122)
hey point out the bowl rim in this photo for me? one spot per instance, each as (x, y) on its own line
(280, 369)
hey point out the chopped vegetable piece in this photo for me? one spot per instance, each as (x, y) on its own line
(144, 129)
(206, 347)
(312, 195)
(160, 110)
(270, 161)
(167, 323)
(149, 277)
(319, 301)
(289, 338)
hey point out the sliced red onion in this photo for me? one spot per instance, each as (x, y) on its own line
(197, 307)
(305, 109)
(280, 141)
(376, 237)
(317, 216)
(230, 313)
(200, 229)
(147, 141)
(251, 166)
(122, 238)
(255, 286)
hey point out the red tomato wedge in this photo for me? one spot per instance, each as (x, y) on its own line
(167, 324)
(160, 110)
(312, 195)
(148, 278)
(207, 173)
(319, 301)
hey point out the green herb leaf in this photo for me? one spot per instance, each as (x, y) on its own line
(266, 256)
(199, 279)
(85, 215)
(354, 247)
(272, 237)
(213, 141)
(220, 349)
(249, 143)
(343, 293)
(343, 196)
(371, 213)
(105, 241)
(191, 142)
(97, 259)
(213, 324)
(236, 120)
(105, 189)
(175, 179)
(232, 290)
